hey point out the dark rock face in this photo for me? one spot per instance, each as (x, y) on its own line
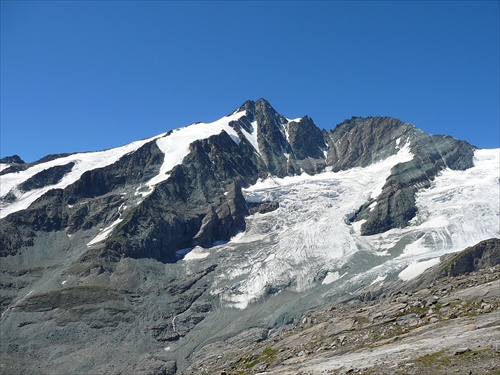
(14, 159)
(14, 168)
(13, 238)
(286, 148)
(271, 138)
(306, 140)
(358, 142)
(50, 176)
(475, 258)
(199, 204)
(262, 207)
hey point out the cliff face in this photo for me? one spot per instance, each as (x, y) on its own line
(482, 256)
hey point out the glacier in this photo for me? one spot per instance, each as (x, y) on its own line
(309, 239)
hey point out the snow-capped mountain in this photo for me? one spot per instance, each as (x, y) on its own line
(170, 243)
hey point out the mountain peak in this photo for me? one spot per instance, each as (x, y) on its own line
(14, 159)
(248, 106)
(251, 106)
(230, 213)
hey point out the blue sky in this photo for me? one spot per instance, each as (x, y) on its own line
(85, 76)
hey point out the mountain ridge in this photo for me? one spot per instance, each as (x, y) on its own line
(250, 220)
(305, 154)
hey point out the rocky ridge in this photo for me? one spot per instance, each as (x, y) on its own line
(182, 211)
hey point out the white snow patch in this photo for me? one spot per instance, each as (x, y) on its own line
(416, 248)
(252, 137)
(379, 279)
(404, 155)
(105, 232)
(270, 258)
(3, 166)
(331, 277)
(197, 253)
(356, 226)
(416, 268)
(237, 237)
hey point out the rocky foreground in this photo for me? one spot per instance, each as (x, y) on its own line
(444, 322)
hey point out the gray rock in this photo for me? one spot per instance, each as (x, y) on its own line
(463, 350)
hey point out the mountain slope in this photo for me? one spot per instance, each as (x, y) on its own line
(181, 240)
(410, 328)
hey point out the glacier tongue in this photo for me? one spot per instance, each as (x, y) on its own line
(309, 237)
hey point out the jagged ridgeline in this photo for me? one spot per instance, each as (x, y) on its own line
(201, 201)
(219, 232)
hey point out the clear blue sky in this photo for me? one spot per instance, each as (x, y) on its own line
(85, 76)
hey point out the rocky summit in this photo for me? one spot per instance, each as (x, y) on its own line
(256, 243)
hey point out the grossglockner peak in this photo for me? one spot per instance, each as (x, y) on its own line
(145, 256)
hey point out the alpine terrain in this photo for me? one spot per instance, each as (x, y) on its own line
(253, 244)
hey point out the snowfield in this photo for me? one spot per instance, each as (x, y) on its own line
(83, 162)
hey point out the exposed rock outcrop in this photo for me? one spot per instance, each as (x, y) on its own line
(14, 159)
(475, 258)
(359, 142)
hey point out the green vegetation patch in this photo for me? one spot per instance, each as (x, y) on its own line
(445, 360)
(253, 363)
(267, 356)
(268, 352)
